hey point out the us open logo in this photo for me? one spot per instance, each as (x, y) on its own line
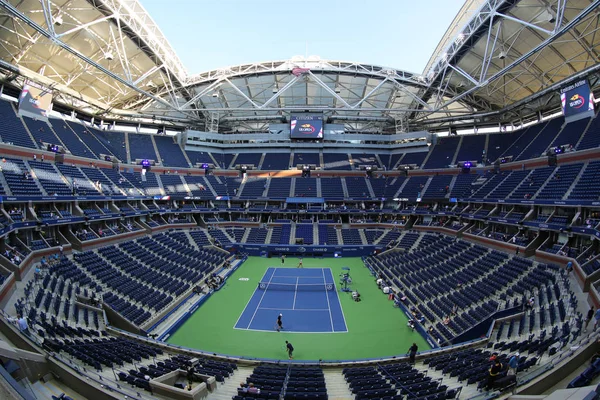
(306, 128)
(577, 101)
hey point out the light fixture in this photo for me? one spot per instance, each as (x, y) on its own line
(109, 56)
(58, 21)
(502, 55)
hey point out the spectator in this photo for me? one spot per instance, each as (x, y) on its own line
(590, 315)
(513, 364)
(252, 389)
(494, 371)
(412, 353)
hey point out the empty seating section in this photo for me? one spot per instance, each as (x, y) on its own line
(305, 383)
(51, 180)
(488, 183)
(414, 186)
(327, 234)
(279, 188)
(147, 274)
(247, 159)
(276, 161)
(148, 184)
(357, 188)
(591, 138)
(305, 232)
(532, 183)
(12, 130)
(173, 184)
(392, 160)
(509, 184)
(571, 133)
(339, 161)
(102, 183)
(253, 188)
(588, 185)
(443, 152)
(498, 144)
(199, 157)
(538, 147)
(14, 173)
(85, 135)
(170, 152)
(305, 187)
(392, 186)
(113, 141)
(73, 142)
(414, 158)
(379, 186)
(558, 185)
(364, 159)
(141, 147)
(225, 159)
(471, 148)
(463, 185)
(81, 184)
(41, 132)
(199, 186)
(281, 234)
(441, 272)
(331, 188)
(351, 237)
(437, 187)
(527, 136)
(257, 236)
(306, 159)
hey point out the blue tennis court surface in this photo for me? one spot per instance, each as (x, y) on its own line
(307, 298)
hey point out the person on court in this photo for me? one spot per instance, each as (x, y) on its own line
(290, 349)
(279, 325)
(300, 263)
(282, 259)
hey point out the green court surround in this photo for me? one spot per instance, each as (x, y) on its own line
(375, 328)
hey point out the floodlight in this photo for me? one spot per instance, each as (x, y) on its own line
(109, 56)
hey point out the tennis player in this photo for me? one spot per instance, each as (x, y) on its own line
(282, 259)
(300, 263)
(290, 349)
(279, 325)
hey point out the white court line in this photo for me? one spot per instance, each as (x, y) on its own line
(260, 301)
(294, 309)
(338, 300)
(248, 302)
(295, 294)
(272, 331)
(328, 305)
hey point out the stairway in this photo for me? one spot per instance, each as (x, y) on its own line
(228, 389)
(337, 387)
(575, 181)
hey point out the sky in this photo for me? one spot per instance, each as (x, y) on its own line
(211, 34)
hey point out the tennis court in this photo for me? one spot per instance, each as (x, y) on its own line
(307, 298)
(375, 327)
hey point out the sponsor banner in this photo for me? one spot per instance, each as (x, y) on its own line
(308, 251)
(537, 202)
(577, 101)
(9, 199)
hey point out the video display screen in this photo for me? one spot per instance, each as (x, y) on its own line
(577, 99)
(306, 126)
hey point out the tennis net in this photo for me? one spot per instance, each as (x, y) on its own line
(301, 287)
